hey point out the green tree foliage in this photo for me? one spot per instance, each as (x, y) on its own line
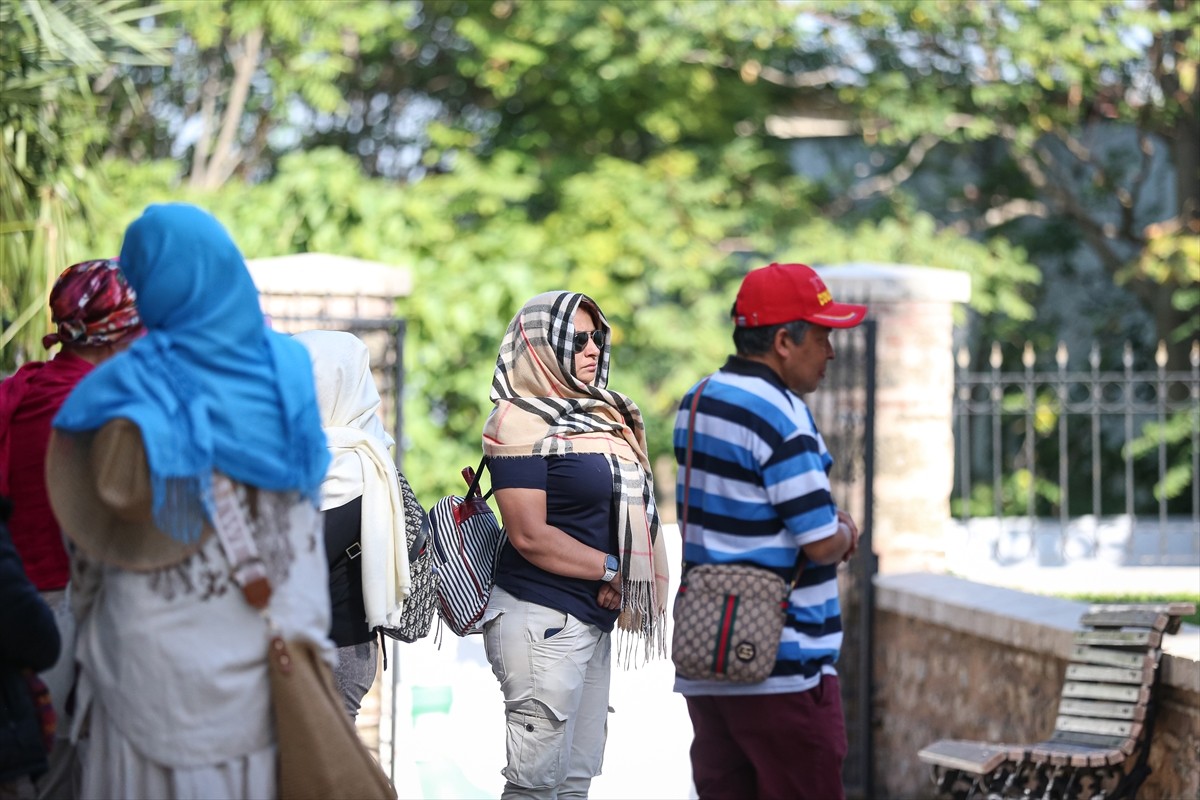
(644, 239)
(249, 73)
(1076, 102)
(60, 63)
(614, 148)
(1072, 104)
(620, 148)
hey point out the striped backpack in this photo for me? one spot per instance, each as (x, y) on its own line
(466, 542)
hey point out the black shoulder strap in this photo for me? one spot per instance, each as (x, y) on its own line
(471, 476)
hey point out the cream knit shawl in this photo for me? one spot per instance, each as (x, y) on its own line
(361, 467)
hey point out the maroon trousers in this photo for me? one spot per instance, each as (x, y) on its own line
(769, 746)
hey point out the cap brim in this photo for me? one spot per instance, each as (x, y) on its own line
(95, 527)
(839, 315)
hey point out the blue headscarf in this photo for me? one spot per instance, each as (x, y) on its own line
(209, 385)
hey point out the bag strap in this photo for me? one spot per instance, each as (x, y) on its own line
(687, 460)
(687, 485)
(232, 525)
(471, 476)
(687, 468)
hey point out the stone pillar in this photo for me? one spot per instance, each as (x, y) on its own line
(914, 443)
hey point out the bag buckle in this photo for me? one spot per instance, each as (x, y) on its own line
(354, 551)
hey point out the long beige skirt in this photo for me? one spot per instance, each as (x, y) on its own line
(112, 769)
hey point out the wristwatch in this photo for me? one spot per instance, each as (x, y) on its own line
(611, 567)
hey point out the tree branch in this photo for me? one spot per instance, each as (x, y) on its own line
(224, 159)
(1137, 184)
(752, 70)
(208, 103)
(1096, 234)
(890, 180)
(1020, 207)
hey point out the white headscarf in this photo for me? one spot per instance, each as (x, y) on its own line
(361, 467)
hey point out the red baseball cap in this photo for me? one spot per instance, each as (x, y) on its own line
(780, 293)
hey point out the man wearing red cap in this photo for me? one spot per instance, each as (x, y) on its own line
(757, 492)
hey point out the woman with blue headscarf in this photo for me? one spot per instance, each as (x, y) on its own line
(209, 405)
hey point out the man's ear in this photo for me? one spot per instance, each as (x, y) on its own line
(778, 346)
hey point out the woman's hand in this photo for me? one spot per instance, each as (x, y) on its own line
(610, 595)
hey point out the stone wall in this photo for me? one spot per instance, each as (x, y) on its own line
(956, 659)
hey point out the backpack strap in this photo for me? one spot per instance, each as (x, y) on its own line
(471, 476)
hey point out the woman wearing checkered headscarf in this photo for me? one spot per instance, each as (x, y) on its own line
(572, 480)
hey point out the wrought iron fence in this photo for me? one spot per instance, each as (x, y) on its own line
(1059, 459)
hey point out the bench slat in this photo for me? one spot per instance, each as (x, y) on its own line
(1088, 739)
(1101, 726)
(977, 758)
(1121, 743)
(1077, 755)
(1179, 609)
(1079, 672)
(1111, 658)
(1087, 708)
(1105, 691)
(1143, 639)
(1125, 618)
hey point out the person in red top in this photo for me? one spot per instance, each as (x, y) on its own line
(95, 317)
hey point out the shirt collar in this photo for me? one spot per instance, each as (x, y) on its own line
(755, 369)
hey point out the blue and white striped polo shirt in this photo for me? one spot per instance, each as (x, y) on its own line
(759, 491)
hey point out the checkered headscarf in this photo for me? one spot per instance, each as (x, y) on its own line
(542, 409)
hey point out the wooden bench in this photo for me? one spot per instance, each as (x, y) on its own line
(1101, 739)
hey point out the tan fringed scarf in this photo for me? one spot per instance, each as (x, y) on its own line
(542, 409)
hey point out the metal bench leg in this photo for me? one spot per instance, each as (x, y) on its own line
(1009, 789)
(944, 780)
(1069, 790)
(1051, 793)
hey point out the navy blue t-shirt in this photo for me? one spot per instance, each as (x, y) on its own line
(579, 497)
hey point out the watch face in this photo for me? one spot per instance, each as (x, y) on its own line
(611, 563)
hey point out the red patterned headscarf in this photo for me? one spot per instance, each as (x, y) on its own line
(92, 305)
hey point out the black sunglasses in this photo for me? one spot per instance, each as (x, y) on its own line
(580, 339)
